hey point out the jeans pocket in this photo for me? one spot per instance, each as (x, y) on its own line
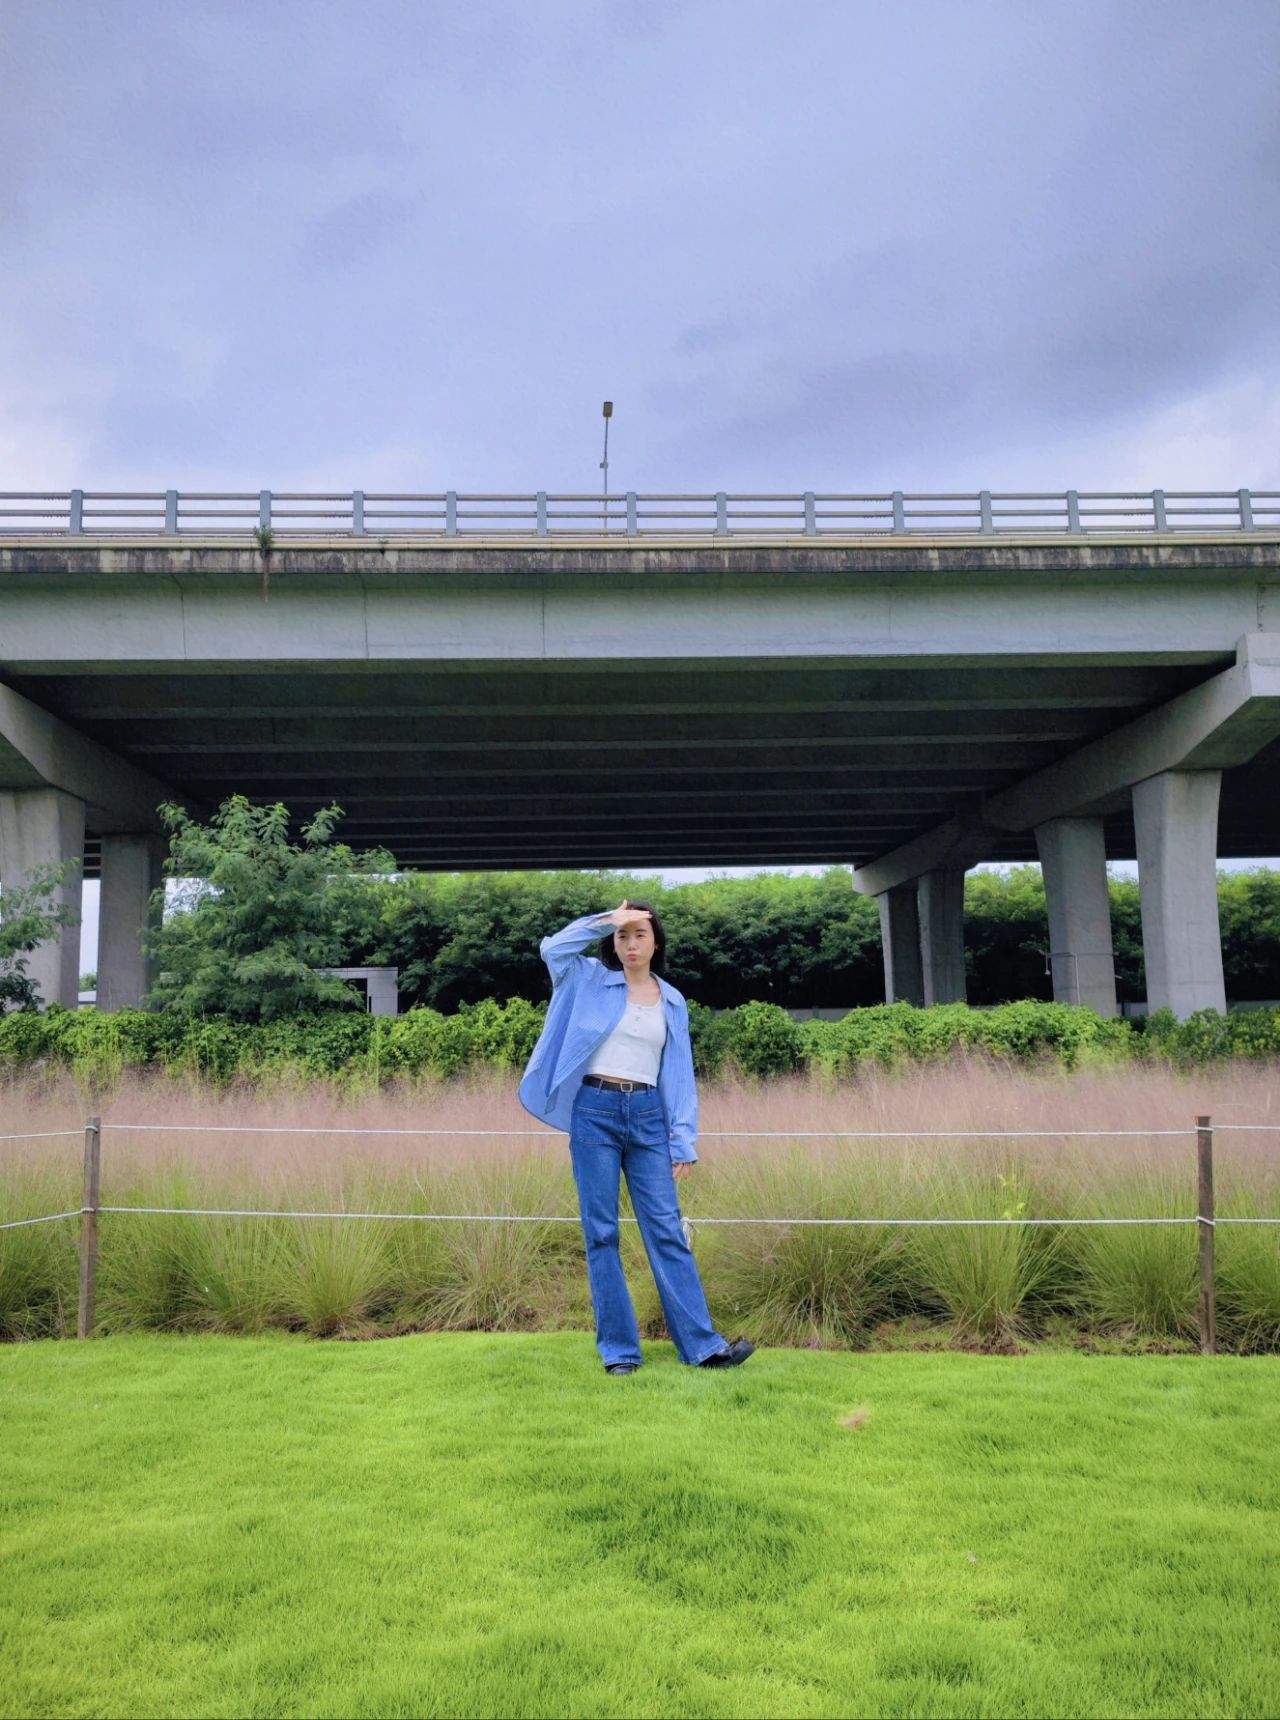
(649, 1127)
(589, 1108)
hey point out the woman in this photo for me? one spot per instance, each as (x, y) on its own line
(614, 1068)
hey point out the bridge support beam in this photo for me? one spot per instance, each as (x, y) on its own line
(1073, 858)
(131, 871)
(43, 827)
(54, 780)
(1175, 819)
(941, 907)
(900, 939)
(1169, 764)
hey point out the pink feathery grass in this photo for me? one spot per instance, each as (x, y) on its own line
(802, 1112)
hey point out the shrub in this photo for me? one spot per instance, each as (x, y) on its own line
(25, 1037)
(884, 1033)
(803, 941)
(708, 1038)
(215, 1048)
(1208, 1036)
(1254, 1032)
(763, 1039)
(323, 1044)
(407, 1043)
(894, 1033)
(502, 1033)
(1028, 1030)
(759, 1039)
(1202, 1036)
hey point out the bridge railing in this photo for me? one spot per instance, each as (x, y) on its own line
(455, 513)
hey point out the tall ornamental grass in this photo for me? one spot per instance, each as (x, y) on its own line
(459, 1274)
(805, 1284)
(981, 1277)
(942, 1151)
(1140, 1278)
(39, 1265)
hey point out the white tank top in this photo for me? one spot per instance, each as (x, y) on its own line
(634, 1049)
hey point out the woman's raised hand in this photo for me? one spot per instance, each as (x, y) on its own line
(622, 915)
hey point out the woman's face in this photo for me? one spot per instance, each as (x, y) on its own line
(634, 945)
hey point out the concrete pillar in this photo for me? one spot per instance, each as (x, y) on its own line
(1175, 821)
(900, 937)
(941, 908)
(1073, 857)
(42, 827)
(131, 870)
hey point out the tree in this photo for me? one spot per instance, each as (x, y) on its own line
(807, 941)
(1006, 934)
(1249, 913)
(259, 913)
(1126, 939)
(461, 937)
(29, 917)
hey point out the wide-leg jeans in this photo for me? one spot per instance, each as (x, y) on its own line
(615, 1133)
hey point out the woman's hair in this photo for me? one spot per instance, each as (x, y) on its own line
(609, 956)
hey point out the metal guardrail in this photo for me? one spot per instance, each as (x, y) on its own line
(451, 513)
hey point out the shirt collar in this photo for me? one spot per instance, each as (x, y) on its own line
(615, 976)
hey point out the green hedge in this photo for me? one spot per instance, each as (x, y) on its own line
(897, 1032)
(331, 1043)
(757, 1039)
(762, 1039)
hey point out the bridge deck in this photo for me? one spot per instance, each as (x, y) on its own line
(484, 703)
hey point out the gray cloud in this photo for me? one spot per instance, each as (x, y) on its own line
(828, 245)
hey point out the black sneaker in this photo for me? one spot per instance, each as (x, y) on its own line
(732, 1357)
(621, 1368)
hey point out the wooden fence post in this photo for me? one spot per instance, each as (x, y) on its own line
(89, 1225)
(1204, 1209)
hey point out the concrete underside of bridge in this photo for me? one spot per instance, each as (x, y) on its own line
(909, 707)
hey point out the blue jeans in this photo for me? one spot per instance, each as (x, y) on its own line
(616, 1133)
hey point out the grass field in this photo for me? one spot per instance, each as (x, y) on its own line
(485, 1524)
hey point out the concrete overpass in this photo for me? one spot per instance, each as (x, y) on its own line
(910, 696)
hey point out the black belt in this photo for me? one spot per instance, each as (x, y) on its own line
(617, 1085)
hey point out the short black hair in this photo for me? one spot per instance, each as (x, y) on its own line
(609, 956)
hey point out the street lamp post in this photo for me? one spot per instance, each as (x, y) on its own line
(604, 464)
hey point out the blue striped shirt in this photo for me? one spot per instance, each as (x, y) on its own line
(588, 1001)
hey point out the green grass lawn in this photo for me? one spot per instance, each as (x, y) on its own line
(474, 1524)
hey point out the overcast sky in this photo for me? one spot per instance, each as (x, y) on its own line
(800, 244)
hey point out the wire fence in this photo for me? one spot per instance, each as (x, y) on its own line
(542, 513)
(1204, 1218)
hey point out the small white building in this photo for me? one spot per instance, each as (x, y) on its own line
(381, 986)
